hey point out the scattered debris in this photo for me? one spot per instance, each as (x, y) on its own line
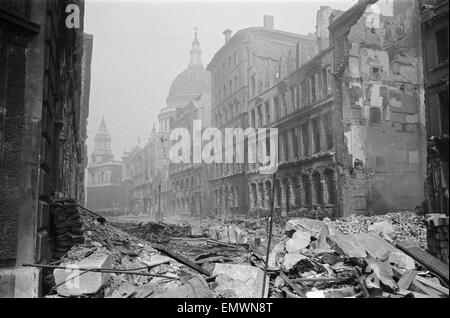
(346, 258)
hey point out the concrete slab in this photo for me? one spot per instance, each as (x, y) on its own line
(74, 282)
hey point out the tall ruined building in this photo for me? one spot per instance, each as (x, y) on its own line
(435, 55)
(42, 130)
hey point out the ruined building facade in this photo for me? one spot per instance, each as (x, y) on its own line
(107, 192)
(42, 131)
(379, 119)
(435, 54)
(351, 119)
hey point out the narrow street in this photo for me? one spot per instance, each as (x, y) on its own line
(196, 257)
(259, 150)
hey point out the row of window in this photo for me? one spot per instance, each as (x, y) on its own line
(227, 90)
(224, 169)
(227, 65)
(306, 139)
(315, 88)
(187, 183)
(305, 191)
(226, 198)
(227, 113)
(99, 178)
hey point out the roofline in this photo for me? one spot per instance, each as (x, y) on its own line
(239, 34)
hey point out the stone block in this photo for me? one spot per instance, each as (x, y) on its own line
(291, 259)
(299, 240)
(74, 282)
(241, 281)
(347, 245)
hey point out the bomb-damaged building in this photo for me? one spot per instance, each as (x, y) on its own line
(351, 120)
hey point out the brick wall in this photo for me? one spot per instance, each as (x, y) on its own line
(437, 236)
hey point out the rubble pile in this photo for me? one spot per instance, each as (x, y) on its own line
(405, 226)
(67, 226)
(107, 248)
(156, 232)
(308, 258)
(317, 260)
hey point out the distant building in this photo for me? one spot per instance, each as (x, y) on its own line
(435, 56)
(156, 183)
(106, 190)
(189, 181)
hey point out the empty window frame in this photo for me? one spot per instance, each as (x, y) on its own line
(316, 134)
(442, 45)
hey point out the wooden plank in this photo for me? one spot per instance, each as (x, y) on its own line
(406, 279)
(432, 263)
(421, 288)
(183, 260)
(292, 285)
(432, 285)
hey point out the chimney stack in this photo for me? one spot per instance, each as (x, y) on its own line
(227, 34)
(268, 22)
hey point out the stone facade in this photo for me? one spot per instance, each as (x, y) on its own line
(146, 170)
(435, 52)
(42, 146)
(351, 120)
(300, 106)
(189, 181)
(249, 62)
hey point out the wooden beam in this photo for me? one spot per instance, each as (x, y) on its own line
(427, 260)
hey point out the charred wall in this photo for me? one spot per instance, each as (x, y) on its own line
(378, 67)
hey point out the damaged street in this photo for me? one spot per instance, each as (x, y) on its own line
(244, 152)
(209, 258)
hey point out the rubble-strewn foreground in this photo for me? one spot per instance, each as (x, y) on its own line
(347, 258)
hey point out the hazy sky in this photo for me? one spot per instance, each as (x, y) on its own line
(141, 46)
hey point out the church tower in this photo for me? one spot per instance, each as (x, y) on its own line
(102, 149)
(196, 52)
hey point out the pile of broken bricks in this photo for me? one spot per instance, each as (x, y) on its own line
(315, 260)
(308, 259)
(67, 226)
(437, 236)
